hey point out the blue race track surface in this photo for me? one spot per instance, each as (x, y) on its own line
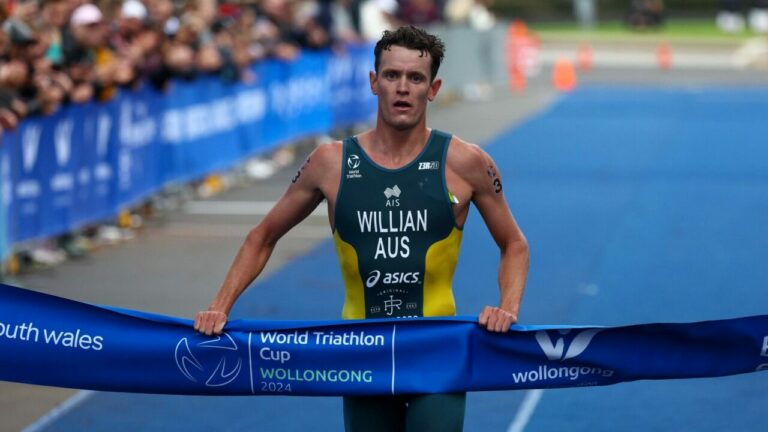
(639, 206)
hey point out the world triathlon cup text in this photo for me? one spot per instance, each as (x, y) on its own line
(351, 338)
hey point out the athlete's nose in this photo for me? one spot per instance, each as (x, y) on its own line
(402, 85)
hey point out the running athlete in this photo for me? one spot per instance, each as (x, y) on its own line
(398, 196)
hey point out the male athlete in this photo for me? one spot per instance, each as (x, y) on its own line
(398, 196)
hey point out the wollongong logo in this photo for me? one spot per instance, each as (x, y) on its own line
(554, 351)
(557, 351)
(215, 362)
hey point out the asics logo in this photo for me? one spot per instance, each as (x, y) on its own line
(557, 351)
(392, 278)
(373, 278)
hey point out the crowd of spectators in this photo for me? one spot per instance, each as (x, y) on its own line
(54, 52)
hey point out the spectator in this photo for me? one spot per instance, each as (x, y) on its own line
(275, 30)
(419, 12)
(313, 23)
(90, 59)
(377, 16)
(758, 16)
(345, 20)
(160, 11)
(54, 17)
(58, 51)
(645, 14)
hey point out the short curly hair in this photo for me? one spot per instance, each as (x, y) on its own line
(414, 38)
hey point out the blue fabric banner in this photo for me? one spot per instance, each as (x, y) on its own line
(87, 162)
(53, 341)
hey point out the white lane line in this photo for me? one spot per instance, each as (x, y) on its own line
(59, 411)
(394, 329)
(238, 208)
(526, 410)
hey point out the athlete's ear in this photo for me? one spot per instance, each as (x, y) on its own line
(434, 88)
(372, 79)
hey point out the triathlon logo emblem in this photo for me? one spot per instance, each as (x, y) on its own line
(353, 161)
(557, 351)
(215, 362)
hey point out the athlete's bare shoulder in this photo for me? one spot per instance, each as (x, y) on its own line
(321, 171)
(328, 154)
(322, 163)
(473, 165)
(467, 158)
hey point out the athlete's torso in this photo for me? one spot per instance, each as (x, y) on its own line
(395, 234)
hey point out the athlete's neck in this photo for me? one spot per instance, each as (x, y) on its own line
(394, 148)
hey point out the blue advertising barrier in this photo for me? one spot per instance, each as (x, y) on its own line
(87, 162)
(52, 341)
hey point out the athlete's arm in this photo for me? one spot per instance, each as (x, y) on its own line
(302, 197)
(488, 197)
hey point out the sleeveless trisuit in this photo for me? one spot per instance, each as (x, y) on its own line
(398, 243)
(395, 234)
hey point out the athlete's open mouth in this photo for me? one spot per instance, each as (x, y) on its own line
(402, 104)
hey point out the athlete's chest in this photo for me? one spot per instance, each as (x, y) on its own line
(397, 190)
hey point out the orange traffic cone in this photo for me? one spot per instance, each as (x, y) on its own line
(517, 28)
(564, 75)
(517, 81)
(664, 56)
(584, 57)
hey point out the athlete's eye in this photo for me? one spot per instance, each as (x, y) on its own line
(390, 75)
(417, 78)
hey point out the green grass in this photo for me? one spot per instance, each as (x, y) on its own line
(673, 29)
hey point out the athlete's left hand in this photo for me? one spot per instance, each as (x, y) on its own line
(496, 319)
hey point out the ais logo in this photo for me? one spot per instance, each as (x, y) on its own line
(557, 350)
(392, 278)
(215, 362)
(392, 192)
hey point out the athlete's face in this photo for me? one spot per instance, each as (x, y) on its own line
(403, 86)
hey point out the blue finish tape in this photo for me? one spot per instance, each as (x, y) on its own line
(52, 341)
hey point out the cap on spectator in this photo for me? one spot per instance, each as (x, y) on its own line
(133, 9)
(86, 14)
(19, 32)
(171, 26)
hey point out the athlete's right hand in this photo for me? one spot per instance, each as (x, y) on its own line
(210, 322)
